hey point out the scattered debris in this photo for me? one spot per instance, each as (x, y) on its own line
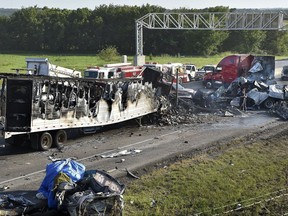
(131, 174)
(12, 205)
(153, 203)
(281, 109)
(186, 112)
(121, 153)
(228, 114)
(2, 188)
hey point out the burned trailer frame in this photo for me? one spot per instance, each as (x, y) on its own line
(41, 109)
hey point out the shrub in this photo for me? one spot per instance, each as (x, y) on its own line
(109, 53)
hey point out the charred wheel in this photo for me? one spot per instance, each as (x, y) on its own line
(209, 84)
(45, 141)
(60, 138)
(269, 103)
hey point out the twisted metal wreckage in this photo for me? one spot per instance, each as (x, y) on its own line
(259, 86)
(272, 97)
(41, 109)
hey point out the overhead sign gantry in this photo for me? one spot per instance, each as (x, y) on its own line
(207, 21)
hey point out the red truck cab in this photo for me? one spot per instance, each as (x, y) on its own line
(228, 69)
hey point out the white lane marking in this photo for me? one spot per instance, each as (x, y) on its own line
(86, 158)
(20, 177)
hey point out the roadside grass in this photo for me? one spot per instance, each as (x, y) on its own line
(78, 62)
(199, 61)
(213, 183)
(81, 62)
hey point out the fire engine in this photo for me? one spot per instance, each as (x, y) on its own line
(119, 70)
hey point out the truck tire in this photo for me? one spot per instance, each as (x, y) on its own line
(59, 138)
(268, 103)
(45, 141)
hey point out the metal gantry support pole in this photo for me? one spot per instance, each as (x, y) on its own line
(139, 38)
(177, 83)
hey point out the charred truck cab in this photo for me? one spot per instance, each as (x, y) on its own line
(40, 110)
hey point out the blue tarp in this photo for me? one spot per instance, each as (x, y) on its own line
(71, 168)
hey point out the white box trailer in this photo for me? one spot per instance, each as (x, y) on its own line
(40, 110)
(42, 66)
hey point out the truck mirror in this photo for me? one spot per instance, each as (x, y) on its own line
(218, 68)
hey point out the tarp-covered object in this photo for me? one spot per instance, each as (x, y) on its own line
(73, 169)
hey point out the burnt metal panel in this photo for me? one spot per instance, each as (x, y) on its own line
(18, 106)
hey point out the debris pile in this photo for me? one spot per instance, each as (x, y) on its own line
(281, 110)
(243, 94)
(185, 112)
(69, 189)
(11, 205)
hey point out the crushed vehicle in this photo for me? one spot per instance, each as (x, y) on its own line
(259, 94)
(269, 96)
(252, 67)
(184, 93)
(41, 110)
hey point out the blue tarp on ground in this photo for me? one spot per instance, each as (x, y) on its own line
(71, 168)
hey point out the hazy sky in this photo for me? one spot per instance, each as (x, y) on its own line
(169, 4)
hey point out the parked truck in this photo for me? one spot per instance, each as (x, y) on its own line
(42, 67)
(171, 70)
(260, 68)
(190, 70)
(40, 110)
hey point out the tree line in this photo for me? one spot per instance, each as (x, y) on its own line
(90, 31)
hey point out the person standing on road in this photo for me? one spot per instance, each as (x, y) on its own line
(243, 85)
(244, 99)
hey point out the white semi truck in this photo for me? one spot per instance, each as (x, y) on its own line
(40, 110)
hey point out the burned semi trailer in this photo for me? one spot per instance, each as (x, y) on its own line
(41, 109)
